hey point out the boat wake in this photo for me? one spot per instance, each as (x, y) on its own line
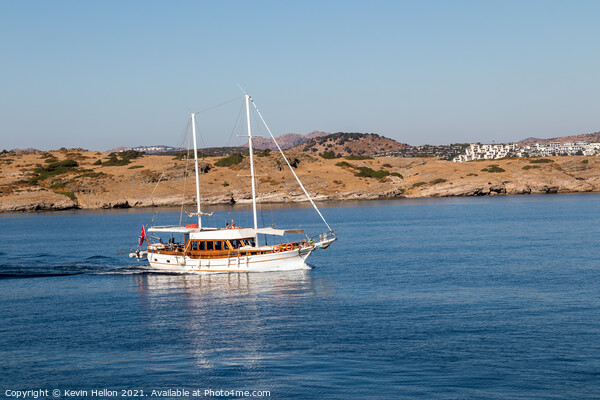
(41, 266)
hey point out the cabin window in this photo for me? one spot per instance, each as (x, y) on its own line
(194, 245)
(201, 245)
(209, 245)
(251, 242)
(218, 245)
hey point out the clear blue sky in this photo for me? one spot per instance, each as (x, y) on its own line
(101, 74)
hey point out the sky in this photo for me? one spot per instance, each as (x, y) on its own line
(103, 74)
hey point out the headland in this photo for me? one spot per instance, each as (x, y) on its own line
(76, 178)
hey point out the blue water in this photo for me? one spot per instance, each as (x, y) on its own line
(474, 298)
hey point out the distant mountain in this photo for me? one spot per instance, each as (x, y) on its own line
(531, 139)
(585, 137)
(286, 141)
(348, 144)
(116, 149)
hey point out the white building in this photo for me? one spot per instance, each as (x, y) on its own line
(477, 151)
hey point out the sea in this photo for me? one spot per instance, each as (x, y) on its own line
(455, 298)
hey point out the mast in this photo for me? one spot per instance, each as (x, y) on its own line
(196, 167)
(251, 162)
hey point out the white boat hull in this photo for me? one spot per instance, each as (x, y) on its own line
(282, 261)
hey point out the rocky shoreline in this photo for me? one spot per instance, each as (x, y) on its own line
(49, 201)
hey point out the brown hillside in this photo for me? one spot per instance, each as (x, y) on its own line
(586, 137)
(346, 144)
(55, 180)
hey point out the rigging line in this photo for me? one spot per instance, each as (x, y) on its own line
(288, 164)
(235, 124)
(218, 105)
(156, 186)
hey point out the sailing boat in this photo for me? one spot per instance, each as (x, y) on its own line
(212, 250)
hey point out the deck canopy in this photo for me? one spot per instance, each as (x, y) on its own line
(223, 234)
(244, 233)
(177, 229)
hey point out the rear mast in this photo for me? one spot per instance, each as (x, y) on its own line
(251, 166)
(193, 116)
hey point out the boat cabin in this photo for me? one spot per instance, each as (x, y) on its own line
(222, 243)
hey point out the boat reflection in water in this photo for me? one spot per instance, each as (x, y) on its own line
(232, 284)
(224, 320)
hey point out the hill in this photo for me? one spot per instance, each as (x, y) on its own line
(585, 137)
(286, 141)
(345, 144)
(74, 178)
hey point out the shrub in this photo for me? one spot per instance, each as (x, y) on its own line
(91, 175)
(225, 184)
(41, 173)
(136, 167)
(436, 181)
(114, 162)
(233, 159)
(493, 168)
(387, 165)
(122, 158)
(131, 154)
(418, 184)
(70, 195)
(367, 172)
(541, 161)
(527, 167)
(584, 161)
(397, 174)
(358, 158)
(98, 162)
(328, 155)
(60, 185)
(472, 174)
(345, 164)
(264, 153)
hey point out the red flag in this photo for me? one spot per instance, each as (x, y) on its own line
(143, 235)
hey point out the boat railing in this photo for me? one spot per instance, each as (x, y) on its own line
(323, 237)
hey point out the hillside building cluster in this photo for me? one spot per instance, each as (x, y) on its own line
(478, 151)
(447, 151)
(153, 149)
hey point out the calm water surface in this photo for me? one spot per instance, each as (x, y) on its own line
(482, 298)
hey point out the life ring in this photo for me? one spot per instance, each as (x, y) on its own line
(276, 249)
(289, 246)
